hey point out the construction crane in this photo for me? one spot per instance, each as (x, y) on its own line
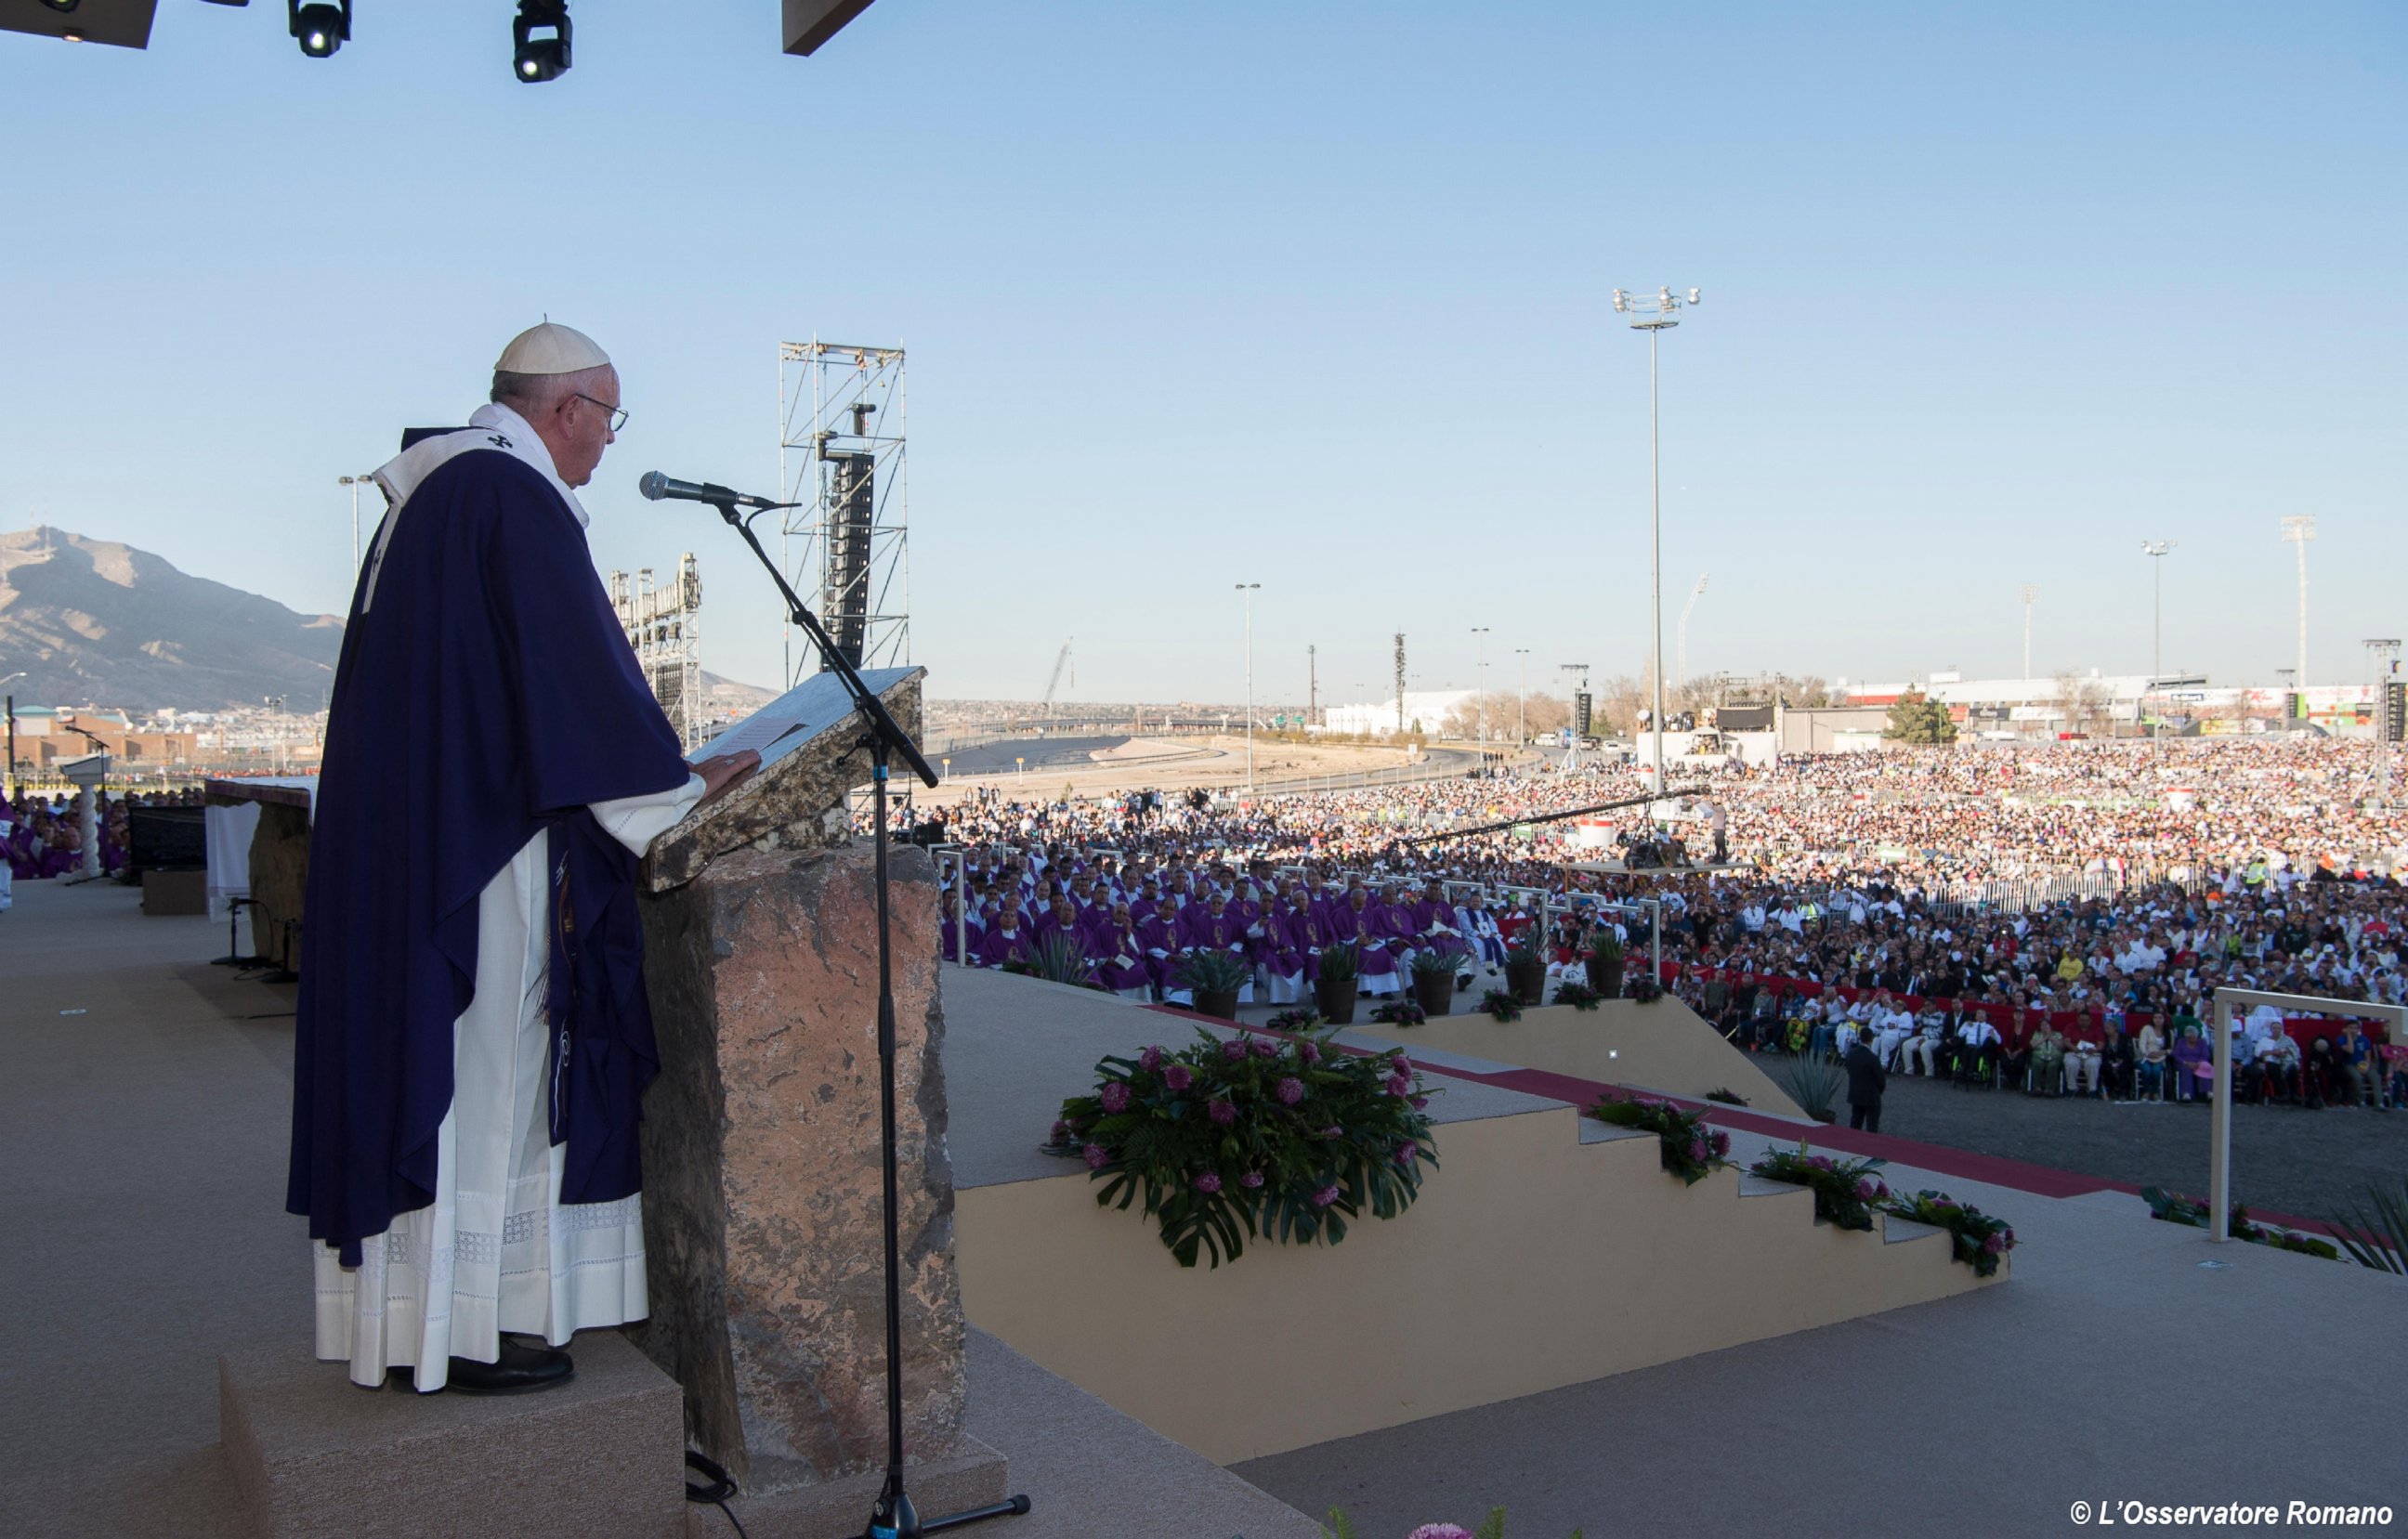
(1062, 664)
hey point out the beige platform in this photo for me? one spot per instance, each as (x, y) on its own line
(1663, 1046)
(314, 1456)
(1533, 1260)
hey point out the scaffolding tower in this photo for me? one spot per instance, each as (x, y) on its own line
(663, 626)
(840, 457)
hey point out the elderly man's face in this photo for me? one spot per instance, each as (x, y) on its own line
(580, 428)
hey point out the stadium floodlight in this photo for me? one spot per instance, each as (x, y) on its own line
(1665, 316)
(2156, 550)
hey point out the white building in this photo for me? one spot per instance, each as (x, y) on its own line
(1424, 711)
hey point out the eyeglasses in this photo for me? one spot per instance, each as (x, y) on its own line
(618, 415)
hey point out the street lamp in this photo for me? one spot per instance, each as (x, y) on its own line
(1521, 695)
(1654, 317)
(276, 702)
(1480, 675)
(2156, 550)
(1248, 590)
(354, 482)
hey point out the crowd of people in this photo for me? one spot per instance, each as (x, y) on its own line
(2059, 917)
(41, 836)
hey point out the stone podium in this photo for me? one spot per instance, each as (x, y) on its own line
(761, 1145)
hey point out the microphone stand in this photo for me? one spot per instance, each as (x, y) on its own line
(894, 1517)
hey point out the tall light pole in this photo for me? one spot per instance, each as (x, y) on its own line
(1480, 675)
(1681, 646)
(2156, 550)
(2300, 528)
(1247, 588)
(1663, 317)
(1521, 696)
(2030, 593)
(354, 482)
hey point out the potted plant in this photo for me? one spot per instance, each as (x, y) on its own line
(1333, 987)
(1605, 963)
(1434, 980)
(1215, 977)
(1526, 972)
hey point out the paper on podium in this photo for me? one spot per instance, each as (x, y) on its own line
(809, 744)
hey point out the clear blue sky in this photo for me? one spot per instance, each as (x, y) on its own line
(1315, 296)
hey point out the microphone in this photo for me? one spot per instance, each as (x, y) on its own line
(656, 486)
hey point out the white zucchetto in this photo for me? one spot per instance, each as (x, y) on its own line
(550, 348)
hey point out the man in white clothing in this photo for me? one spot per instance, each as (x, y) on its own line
(472, 1038)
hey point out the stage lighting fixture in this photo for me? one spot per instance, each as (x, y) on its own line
(321, 28)
(537, 58)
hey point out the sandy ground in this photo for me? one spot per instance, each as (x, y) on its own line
(1170, 763)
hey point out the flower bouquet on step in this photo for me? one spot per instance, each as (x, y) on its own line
(1979, 1238)
(1503, 1004)
(1303, 1020)
(1844, 1191)
(2175, 1208)
(1691, 1149)
(1251, 1137)
(1579, 996)
(1400, 1012)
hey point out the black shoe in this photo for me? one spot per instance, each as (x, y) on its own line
(520, 1369)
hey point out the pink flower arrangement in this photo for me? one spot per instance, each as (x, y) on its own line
(1400, 1085)
(1440, 1531)
(1097, 1157)
(1208, 1183)
(1222, 1112)
(1326, 1196)
(1115, 1096)
(1265, 1049)
(1406, 1150)
(1150, 1060)
(1178, 1078)
(1308, 1051)
(1252, 1180)
(1291, 1091)
(1234, 1049)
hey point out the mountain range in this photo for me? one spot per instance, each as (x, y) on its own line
(93, 623)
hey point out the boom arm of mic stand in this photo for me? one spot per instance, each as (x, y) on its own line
(873, 710)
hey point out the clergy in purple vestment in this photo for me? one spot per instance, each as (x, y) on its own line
(1159, 931)
(1367, 927)
(1121, 956)
(1211, 927)
(1012, 940)
(1437, 925)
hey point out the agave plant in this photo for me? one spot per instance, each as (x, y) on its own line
(1338, 962)
(1214, 972)
(2377, 1239)
(1814, 1084)
(1430, 962)
(1060, 959)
